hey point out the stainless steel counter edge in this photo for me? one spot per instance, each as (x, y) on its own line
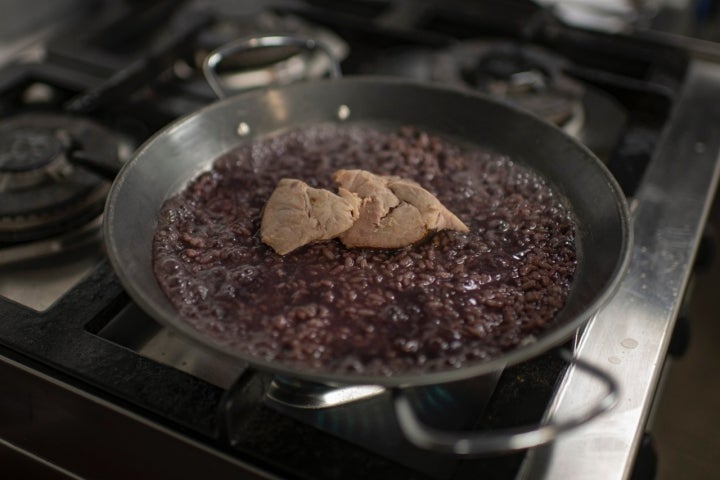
(629, 336)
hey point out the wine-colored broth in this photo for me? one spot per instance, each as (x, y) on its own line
(450, 300)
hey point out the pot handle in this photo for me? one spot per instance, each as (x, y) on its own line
(507, 440)
(251, 43)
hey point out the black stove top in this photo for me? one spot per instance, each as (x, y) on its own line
(137, 67)
(66, 341)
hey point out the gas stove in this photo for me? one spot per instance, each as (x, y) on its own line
(93, 387)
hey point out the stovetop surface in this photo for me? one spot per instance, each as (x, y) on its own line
(135, 69)
(64, 340)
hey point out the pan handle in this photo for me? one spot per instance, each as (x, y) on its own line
(251, 43)
(511, 439)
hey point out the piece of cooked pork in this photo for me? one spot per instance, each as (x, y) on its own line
(297, 214)
(394, 212)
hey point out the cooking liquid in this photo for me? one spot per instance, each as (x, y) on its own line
(449, 300)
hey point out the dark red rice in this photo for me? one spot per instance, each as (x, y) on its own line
(448, 301)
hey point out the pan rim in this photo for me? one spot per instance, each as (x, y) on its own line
(554, 337)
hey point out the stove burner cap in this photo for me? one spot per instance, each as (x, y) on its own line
(23, 149)
(529, 77)
(42, 192)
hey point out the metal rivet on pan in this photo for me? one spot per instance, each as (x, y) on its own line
(243, 129)
(343, 112)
